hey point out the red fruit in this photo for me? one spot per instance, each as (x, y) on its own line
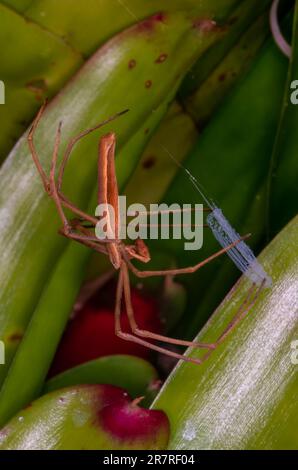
(91, 334)
(125, 421)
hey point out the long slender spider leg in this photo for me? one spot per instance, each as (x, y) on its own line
(75, 139)
(76, 236)
(244, 309)
(119, 291)
(85, 234)
(53, 192)
(89, 244)
(53, 188)
(175, 211)
(64, 200)
(84, 241)
(67, 229)
(129, 337)
(188, 270)
(69, 205)
(93, 220)
(33, 150)
(44, 178)
(148, 334)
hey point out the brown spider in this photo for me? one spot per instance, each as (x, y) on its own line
(119, 254)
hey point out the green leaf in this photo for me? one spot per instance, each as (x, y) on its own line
(86, 27)
(245, 395)
(34, 64)
(47, 40)
(134, 374)
(33, 250)
(178, 134)
(86, 417)
(18, 5)
(210, 93)
(282, 180)
(235, 147)
(241, 19)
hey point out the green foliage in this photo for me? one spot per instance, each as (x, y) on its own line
(245, 395)
(33, 251)
(135, 375)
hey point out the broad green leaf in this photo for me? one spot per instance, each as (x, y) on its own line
(35, 254)
(208, 96)
(235, 147)
(88, 26)
(34, 64)
(243, 16)
(177, 133)
(245, 395)
(38, 34)
(86, 417)
(134, 374)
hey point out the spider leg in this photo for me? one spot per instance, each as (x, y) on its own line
(64, 200)
(84, 241)
(244, 309)
(175, 211)
(67, 229)
(148, 334)
(130, 337)
(187, 270)
(75, 139)
(50, 184)
(33, 150)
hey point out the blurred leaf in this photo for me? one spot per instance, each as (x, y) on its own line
(155, 169)
(242, 17)
(231, 162)
(208, 96)
(18, 5)
(245, 395)
(283, 177)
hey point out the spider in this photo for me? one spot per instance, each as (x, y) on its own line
(120, 254)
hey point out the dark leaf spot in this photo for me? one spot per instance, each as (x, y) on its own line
(161, 58)
(15, 337)
(149, 162)
(131, 64)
